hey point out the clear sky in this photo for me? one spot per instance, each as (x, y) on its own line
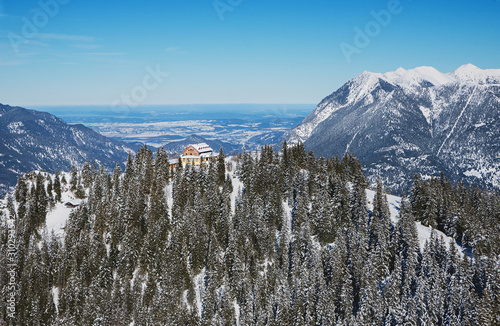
(88, 52)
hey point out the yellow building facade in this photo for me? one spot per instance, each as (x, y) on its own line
(197, 154)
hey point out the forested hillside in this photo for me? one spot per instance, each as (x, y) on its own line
(265, 239)
(34, 140)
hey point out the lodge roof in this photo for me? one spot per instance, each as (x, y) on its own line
(202, 147)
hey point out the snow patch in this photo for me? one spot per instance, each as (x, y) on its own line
(56, 219)
(16, 128)
(288, 214)
(427, 113)
(199, 286)
(185, 299)
(424, 232)
(237, 312)
(55, 297)
(237, 186)
(458, 119)
(170, 198)
(473, 173)
(349, 145)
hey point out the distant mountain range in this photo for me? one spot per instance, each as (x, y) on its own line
(33, 140)
(412, 121)
(177, 147)
(398, 124)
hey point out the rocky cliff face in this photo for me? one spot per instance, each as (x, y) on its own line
(412, 121)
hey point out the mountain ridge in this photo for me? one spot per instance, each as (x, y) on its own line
(176, 147)
(34, 140)
(412, 121)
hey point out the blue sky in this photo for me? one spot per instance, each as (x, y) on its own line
(76, 52)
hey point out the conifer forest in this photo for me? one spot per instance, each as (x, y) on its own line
(262, 238)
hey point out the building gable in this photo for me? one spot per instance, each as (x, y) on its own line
(191, 151)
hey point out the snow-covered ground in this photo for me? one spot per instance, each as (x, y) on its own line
(55, 297)
(424, 232)
(199, 287)
(394, 204)
(170, 198)
(237, 187)
(235, 180)
(58, 216)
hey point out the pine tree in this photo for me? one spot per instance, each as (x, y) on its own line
(87, 174)
(221, 168)
(407, 249)
(125, 259)
(162, 167)
(74, 178)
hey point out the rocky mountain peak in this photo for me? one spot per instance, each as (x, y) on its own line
(412, 121)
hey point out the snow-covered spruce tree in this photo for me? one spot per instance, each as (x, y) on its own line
(300, 247)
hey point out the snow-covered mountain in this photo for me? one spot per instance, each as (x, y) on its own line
(177, 147)
(412, 121)
(32, 140)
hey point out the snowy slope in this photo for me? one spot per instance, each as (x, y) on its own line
(58, 215)
(471, 74)
(412, 121)
(363, 84)
(424, 232)
(235, 180)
